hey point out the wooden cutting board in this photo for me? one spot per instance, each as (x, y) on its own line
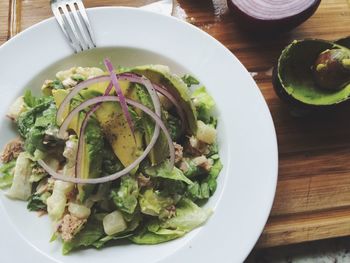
(313, 193)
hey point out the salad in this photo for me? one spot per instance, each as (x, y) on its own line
(111, 154)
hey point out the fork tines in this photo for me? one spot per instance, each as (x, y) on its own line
(74, 22)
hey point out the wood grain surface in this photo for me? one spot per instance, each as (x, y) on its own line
(313, 193)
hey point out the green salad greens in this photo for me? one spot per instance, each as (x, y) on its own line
(160, 199)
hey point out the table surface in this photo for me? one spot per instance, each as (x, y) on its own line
(313, 193)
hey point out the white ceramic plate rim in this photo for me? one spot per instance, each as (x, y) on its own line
(210, 239)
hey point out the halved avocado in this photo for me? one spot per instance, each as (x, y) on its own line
(296, 77)
(161, 75)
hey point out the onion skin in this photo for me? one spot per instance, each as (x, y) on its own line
(273, 23)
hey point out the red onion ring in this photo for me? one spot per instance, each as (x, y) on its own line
(156, 104)
(120, 95)
(126, 170)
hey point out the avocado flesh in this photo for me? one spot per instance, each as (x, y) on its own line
(92, 147)
(92, 158)
(160, 150)
(296, 77)
(114, 125)
(161, 75)
(116, 130)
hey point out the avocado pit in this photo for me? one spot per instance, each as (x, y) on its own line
(331, 70)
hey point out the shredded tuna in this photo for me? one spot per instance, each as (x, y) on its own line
(69, 82)
(178, 152)
(12, 150)
(184, 166)
(203, 162)
(70, 226)
(196, 147)
(143, 181)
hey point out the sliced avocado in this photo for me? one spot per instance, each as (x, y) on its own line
(92, 147)
(294, 77)
(161, 75)
(59, 96)
(160, 150)
(116, 129)
(92, 157)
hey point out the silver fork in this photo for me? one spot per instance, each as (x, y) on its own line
(74, 22)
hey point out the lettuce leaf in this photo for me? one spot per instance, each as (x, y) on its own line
(190, 80)
(7, 171)
(33, 123)
(204, 104)
(133, 223)
(164, 171)
(91, 233)
(125, 198)
(205, 188)
(188, 216)
(35, 203)
(152, 203)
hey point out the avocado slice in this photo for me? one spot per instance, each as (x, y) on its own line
(160, 150)
(294, 77)
(92, 157)
(114, 125)
(116, 130)
(92, 147)
(59, 96)
(161, 75)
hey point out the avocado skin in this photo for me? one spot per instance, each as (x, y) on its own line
(161, 75)
(300, 109)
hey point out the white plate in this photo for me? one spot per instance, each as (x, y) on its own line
(246, 134)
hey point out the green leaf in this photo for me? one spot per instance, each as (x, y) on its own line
(174, 125)
(6, 181)
(110, 163)
(133, 222)
(190, 80)
(7, 171)
(35, 203)
(33, 123)
(125, 198)
(204, 104)
(100, 243)
(216, 169)
(29, 99)
(205, 188)
(188, 216)
(92, 232)
(164, 171)
(78, 78)
(192, 169)
(152, 203)
(149, 238)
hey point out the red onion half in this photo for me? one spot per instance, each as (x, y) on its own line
(272, 15)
